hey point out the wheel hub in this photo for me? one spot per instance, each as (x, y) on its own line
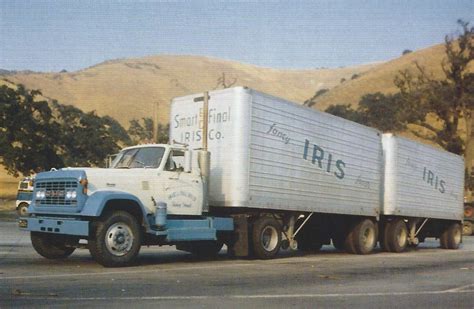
(269, 238)
(402, 238)
(368, 237)
(119, 239)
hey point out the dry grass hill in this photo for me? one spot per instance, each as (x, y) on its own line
(380, 78)
(128, 88)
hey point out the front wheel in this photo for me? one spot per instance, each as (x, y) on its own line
(22, 210)
(51, 246)
(266, 237)
(116, 240)
(451, 237)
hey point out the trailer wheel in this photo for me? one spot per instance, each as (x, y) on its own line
(451, 237)
(383, 237)
(266, 237)
(467, 228)
(364, 237)
(22, 210)
(397, 236)
(116, 240)
(51, 246)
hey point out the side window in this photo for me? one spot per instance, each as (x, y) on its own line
(175, 161)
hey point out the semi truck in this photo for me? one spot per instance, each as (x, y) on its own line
(24, 195)
(256, 173)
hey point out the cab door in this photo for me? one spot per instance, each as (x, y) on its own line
(183, 192)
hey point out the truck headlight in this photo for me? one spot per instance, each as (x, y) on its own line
(40, 194)
(71, 195)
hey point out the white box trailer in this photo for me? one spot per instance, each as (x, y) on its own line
(421, 181)
(268, 153)
(274, 158)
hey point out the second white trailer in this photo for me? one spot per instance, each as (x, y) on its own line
(423, 187)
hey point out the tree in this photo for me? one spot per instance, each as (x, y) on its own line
(406, 52)
(86, 138)
(355, 76)
(346, 112)
(142, 132)
(36, 135)
(224, 83)
(28, 133)
(450, 99)
(162, 135)
(310, 102)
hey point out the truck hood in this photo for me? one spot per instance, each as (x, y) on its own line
(128, 180)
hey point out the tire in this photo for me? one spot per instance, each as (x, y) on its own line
(51, 246)
(115, 241)
(22, 209)
(397, 236)
(467, 228)
(266, 237)
(383, 237)
(364, 237)
(451, 237)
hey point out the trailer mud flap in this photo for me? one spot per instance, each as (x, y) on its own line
(240, 245)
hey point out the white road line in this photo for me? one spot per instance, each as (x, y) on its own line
(268, 296)
(462, 288)
(73, 275)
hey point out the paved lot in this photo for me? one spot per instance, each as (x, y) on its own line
(425, 277)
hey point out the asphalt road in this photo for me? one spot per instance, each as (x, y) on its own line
(423, 277)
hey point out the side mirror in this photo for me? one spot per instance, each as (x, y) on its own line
(188, 161)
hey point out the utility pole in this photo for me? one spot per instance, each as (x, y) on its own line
(155, 121)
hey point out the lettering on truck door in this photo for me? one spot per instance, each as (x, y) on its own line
(182, 191)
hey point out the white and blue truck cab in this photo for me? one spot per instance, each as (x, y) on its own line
(149, 195)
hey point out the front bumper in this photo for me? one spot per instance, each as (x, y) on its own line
(65, 226)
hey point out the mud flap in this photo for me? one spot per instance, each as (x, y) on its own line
(240, 241)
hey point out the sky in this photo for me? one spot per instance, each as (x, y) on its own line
(72, 35)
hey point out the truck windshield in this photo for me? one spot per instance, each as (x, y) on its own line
(147, 157)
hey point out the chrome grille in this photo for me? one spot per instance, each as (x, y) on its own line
(56, 192)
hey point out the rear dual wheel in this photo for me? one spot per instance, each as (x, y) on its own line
(362, 238)
(451, 237)
(266, 237)
(395, 236)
